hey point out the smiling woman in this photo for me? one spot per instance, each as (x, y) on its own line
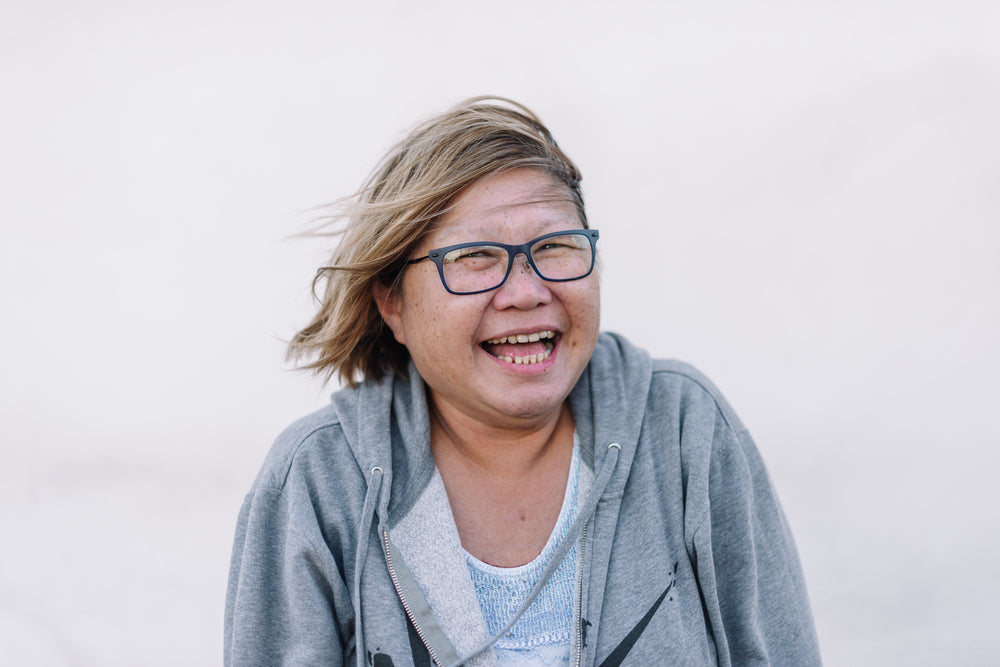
(498, 475)
(464, 372)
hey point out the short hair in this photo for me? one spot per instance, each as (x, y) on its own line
(383, 223)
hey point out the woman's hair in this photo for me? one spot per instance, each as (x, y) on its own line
(382, 224)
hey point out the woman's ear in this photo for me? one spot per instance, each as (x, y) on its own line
(389, 305)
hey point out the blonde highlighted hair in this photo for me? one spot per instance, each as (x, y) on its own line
(382, 224)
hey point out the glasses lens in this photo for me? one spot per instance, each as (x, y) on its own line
(565, 257)
(474, 268)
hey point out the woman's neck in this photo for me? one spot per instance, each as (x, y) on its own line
(500, 452)
(505, 486)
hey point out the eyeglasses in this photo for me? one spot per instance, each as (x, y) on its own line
(472, 268)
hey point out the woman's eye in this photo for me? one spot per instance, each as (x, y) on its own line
(470, 254)
(557, 245)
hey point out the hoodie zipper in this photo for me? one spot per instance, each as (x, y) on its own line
(579, 597)
(399, 593)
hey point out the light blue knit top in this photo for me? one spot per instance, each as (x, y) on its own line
(542, 635)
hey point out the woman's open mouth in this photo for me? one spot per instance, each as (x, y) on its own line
(523, 348)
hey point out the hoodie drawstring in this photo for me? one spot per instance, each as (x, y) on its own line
(583, 517)
(364, 533)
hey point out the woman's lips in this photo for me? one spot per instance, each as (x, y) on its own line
(522, 348)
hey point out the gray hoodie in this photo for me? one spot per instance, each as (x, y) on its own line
(685, 557)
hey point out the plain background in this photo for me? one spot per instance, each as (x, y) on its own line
(799, 198)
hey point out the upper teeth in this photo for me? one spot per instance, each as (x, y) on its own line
(523, 338)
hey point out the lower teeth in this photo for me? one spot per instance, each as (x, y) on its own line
(530, 359)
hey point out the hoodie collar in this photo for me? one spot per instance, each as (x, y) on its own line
(608, 403)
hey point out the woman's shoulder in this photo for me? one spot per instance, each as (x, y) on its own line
(617, 356)
(308, 445)
(693, 390)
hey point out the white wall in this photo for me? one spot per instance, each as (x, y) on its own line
(803, 201)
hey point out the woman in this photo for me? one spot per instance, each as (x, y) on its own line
(500, 483)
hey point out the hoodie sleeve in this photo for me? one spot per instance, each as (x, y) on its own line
(748, 568)
(283, 582)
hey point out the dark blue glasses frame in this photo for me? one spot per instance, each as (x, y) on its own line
(437, 256)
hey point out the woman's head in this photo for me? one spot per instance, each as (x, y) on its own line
(411, 189)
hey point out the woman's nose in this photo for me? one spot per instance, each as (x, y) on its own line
(524, 288)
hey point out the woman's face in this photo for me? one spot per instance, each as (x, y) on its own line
(449, 336)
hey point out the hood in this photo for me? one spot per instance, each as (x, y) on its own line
(608, 403)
